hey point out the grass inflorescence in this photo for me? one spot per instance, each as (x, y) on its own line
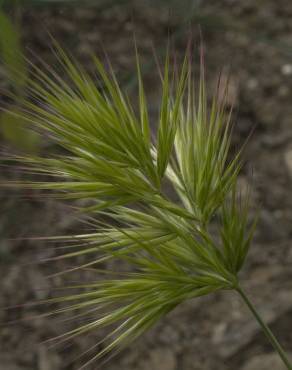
(111, 160)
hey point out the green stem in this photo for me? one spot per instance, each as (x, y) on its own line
(266, 329)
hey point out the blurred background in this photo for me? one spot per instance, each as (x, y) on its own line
(252, 39)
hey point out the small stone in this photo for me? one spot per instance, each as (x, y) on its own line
(219, 332)
(252, 83)
(265, 361)
(286, 69)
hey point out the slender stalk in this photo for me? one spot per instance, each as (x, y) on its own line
(273, 340)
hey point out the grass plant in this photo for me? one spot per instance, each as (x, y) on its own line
(111, 160)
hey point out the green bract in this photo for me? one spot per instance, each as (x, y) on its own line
(111, 158)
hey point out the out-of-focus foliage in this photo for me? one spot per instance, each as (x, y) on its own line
(11, 52)
(12, 125)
